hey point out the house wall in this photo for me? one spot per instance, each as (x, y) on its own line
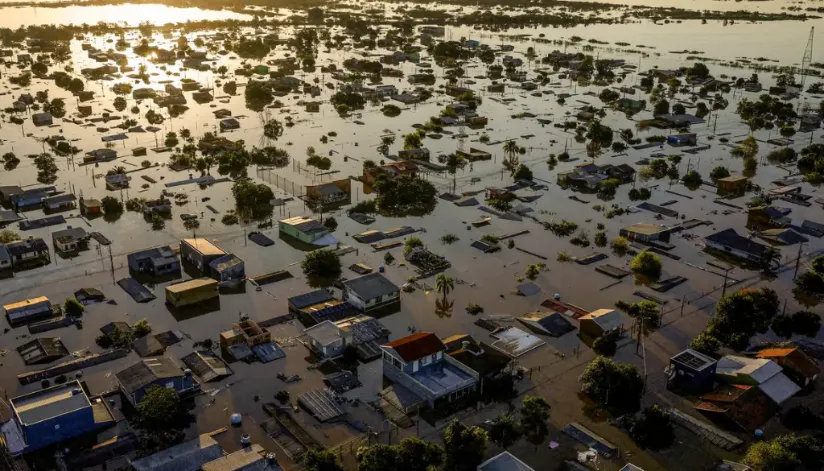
(59, 428)
(590, 327)
(294, 232)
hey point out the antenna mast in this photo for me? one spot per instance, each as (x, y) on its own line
(808, 57)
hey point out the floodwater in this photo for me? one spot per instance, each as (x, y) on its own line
(487, 280)
(125, 15)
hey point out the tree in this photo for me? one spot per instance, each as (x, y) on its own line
(692, 180)
(646, 318)
(405, 196)
(505, 431)
(748, 148)
(321, 267)
(606, 344)
(410, 244)
(73, 308)
(444, 284)
(453, 163)
(653, 429)
(533, 270)
(806, 323)
(522, 173)
(383, 148)
(331, 223)
(612, 384)
(534, 415)
(412, 454)
(511, 151)
(740, 315)
(678, 108)
(770, 456)
(706, 344)
(162, 417)
(464, 446)
(719, 172)
(141, 328)
(810, 283)
(646, 264)
(321, 460)
(253, 200)
(662, 107)
(8, 236)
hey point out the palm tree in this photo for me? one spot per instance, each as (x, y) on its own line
(770, 257)
(511, 151)
(646, 318)
(386, 141)
(444, 284)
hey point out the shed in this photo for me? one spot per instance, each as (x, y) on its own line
(328, 339)
(598, 323)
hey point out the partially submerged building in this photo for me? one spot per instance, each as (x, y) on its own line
(28, 310)
(53, 415)
(135, 380)
(156, 261)
(691, 371)
(200, 252)
(760, 372)
(192, 292)
(372, 293)
(187, 456)
(306, 230)
(419, 363)
(600, 322)
(730, 242)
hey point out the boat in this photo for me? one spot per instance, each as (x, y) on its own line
(482, 221)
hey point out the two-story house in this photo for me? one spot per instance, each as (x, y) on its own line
(419, 363)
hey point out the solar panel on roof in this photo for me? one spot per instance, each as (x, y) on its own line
(687, 358)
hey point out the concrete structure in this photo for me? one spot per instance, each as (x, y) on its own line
(505, 461)
(327, 339)
(42, 119)
(247, 332)
(135, 380)
(371, 293)
(53, 415)
(600, 322)
(418, 363)
(419, 154)
(192, 292)
(90, 207)
(391, 170)
(157, 261)
(691, 371)
(643, 232)
(200, 252)
(187, 456)
(159, 206)
(28, 310)
(766, 374)
(306, 230)
(117, 181)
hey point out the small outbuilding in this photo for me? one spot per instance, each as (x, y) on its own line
(600, 322)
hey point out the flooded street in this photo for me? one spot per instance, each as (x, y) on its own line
(349, 140)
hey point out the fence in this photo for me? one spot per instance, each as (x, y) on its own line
(280, 182)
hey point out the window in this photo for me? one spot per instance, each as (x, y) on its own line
(170, 384)
(426, 360)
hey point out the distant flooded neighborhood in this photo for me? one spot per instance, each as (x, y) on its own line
(464, 236)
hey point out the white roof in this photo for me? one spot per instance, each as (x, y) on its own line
(779, 388)
(759, 369)
(516, 342)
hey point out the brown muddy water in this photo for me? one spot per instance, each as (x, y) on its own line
(486, 279)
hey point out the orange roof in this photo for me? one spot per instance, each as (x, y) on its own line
(417, 346)
(774, 352)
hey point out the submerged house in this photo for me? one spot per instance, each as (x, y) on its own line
(306, 230)
(371, 293)
(730, 242)
(600, 322)
(135, 380)
(760, 372)
(228, 269)
(200, 252)
(70, 239)
(420, 364)
(691, 371)
(186, 456)
(53, 415)
(157, 261)
(28, 252)
(797, 365)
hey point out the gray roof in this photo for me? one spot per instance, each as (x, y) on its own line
(50, 403)
(145, 372)
(188, 456)
(506, 461)
(324, 333)
(4, 254)
(371, 286)
(310, 299)
(76, 233)
(155, 253)
(60, 199)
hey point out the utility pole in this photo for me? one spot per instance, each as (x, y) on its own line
(798, 260)
(723, 291)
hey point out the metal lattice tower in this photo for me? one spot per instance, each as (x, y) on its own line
(808, 57)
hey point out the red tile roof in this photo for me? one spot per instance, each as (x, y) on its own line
(792, 359)
(417, 346)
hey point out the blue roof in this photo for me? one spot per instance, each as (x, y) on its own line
(442, 377)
